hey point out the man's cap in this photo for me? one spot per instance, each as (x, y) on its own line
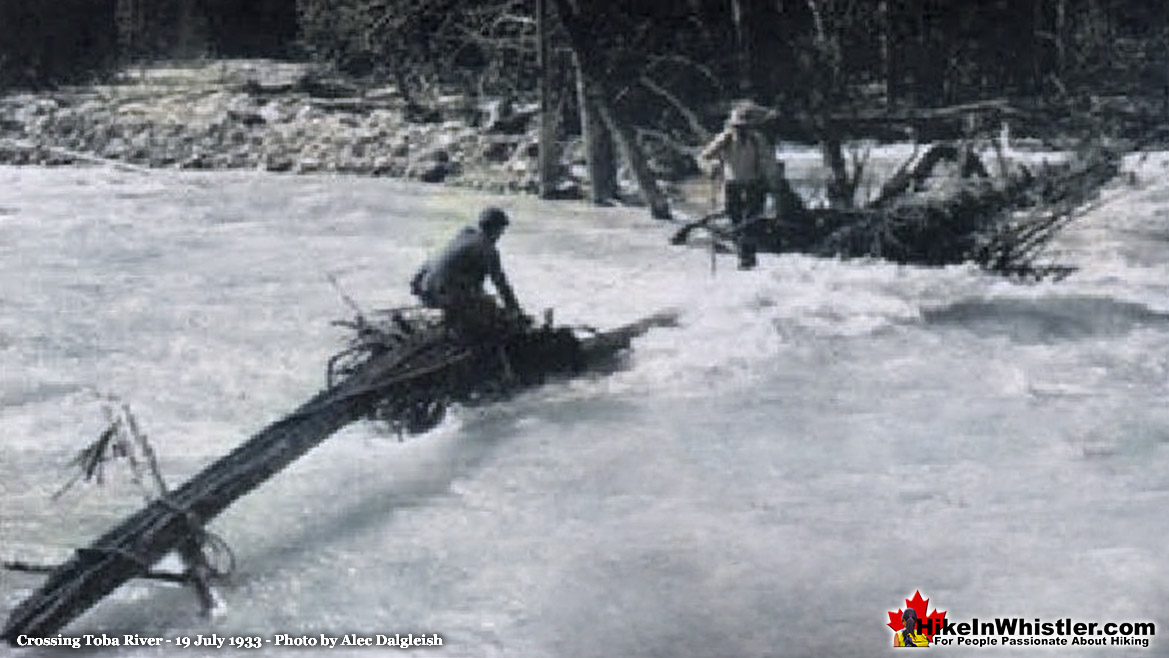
(492, 218)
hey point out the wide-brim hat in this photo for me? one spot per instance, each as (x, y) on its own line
(746, 114)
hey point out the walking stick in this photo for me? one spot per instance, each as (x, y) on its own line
(713, 209)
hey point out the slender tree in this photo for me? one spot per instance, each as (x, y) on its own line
(593, 69)
(548, 151)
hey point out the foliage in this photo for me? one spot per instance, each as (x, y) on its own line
(48, 42)
(672, 67)
(480, 46)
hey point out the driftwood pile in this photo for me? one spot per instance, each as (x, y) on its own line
(457, 371)
(1001, 223)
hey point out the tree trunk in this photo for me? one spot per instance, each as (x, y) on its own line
(547, 155)
(1061, 22)
(659, 207)
(131, 24)
(191, 36)
(598, 143)
(886, 45)
(145, 537)
(594, 78)
(430, 361)
(742, 44)
(142, 539)
(841, 188)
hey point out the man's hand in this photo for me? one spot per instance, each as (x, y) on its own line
(518, 316)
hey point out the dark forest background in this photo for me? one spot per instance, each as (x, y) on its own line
(669, 64)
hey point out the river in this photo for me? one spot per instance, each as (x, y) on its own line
(816, 442)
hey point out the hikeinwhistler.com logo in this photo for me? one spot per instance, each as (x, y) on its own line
(914, 627)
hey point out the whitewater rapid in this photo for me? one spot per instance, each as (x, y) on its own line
(818, 440)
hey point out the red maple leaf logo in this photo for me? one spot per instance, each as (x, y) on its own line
(930, 624)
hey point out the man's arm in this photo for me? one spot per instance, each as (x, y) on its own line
(714, 151)
(416, 283)
(499, 280)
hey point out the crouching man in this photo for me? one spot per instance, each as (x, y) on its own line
(453, 280)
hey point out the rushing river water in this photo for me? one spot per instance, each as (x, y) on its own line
(817, 441)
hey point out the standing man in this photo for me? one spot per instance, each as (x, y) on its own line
(748, 165)
(453, 280)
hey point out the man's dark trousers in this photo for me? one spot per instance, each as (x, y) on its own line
(744, 202)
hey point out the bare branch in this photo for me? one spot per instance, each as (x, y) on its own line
(686, 62)
(689, 115)
(667, 139)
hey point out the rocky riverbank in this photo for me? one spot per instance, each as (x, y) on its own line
(279, 117)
